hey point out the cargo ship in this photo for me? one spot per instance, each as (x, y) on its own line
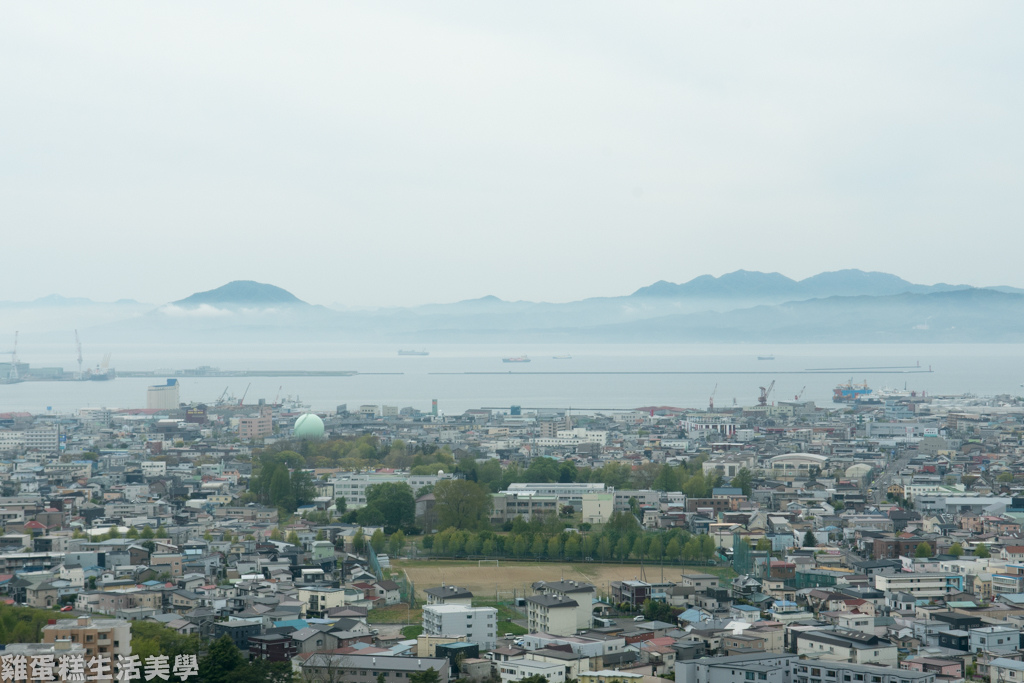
(768, 357)
(404, 352)
(850, 392)
(563, 357)
(516, 359)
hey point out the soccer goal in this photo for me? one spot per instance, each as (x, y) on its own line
(487, 563)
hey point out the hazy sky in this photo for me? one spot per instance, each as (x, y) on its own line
(401, 153)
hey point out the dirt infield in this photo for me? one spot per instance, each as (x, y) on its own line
(512, 578)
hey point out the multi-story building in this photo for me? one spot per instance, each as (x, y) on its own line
(163, 396)
(830, 672)
(366, 668)
(920, 585)
(518, 669)
(273, 647)
(449, 595)
(846, 645)
(353, 486)
(1000, 640)
(478, 625)
(552, 614)
(98, 636)
(256, 426)
(583, 593)
(507, 505)
(761, 668)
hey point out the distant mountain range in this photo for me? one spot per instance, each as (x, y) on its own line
(744, 306)
(746, 284)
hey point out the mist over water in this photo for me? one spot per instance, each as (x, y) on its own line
(983, 369)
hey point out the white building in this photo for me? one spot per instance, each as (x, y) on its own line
(353, 486)
(478, 625)
(163, 396)
(552, 614)
(517, 669)
(154, 468)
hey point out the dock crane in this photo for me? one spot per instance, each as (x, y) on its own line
(278, 394)
(797, 397)
(14, 360)
(241, 401)
(711, 401)
(762, 400)
(78, 346)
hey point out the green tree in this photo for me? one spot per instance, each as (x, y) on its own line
(395, 501)
(604, 549)
(396, 543)
(667, 479)
(293, 538)
(764, 544)
(276, 535)
(1005, 478)
(150, 638)
(622, 549)
(707, 547)
(341, 505)
(956, 550)
(461, 504)
(554, 550)
(673, 549)
(538, 545)
(744, 479)
(923, 550)
(147, 532)
(981, 550)
(572, 547)
(220, 662)
(428, 676)
(377, 541)
(809, 540)
(358, 541)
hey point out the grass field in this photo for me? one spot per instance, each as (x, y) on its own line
(395, 614)
(515, 577)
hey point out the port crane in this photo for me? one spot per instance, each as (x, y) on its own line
(241, 401)
(711, 401)
(762, 400)
(13, 377)
(78, 346)
(797, 397)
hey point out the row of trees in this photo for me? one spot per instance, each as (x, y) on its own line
(621, 539)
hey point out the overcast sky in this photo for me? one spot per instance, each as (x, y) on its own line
(402, 153)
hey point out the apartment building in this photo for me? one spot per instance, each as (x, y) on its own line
(478, 625)
(98, 636)
(826, 672)
(583, 593)
(846, 645)
(366, 668)
(920, 585)
(449, 595)
(552, 614)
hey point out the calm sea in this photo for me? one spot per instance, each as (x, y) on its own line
(734, 369)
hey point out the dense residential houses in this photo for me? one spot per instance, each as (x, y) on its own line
(879, 542)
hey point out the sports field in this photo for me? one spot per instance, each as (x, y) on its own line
(513, 579)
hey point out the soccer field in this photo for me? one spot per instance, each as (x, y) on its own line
(512, 578)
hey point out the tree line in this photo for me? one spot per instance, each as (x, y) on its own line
(620, 539)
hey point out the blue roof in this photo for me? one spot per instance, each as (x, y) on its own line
(784, 603)
(297, 623)
(726, 491)
(746, 608)
(692, 615)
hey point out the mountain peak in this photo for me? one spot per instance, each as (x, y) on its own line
(243, 292)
